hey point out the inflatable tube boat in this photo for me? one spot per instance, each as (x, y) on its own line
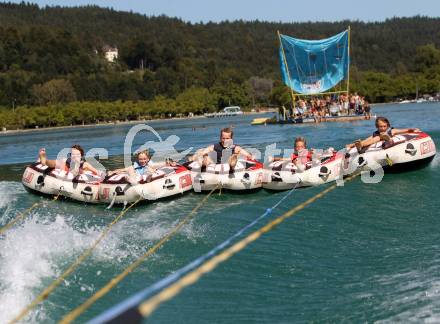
(164, 182)
(402, 153)
(246, 175)
(87, 187)
(48, 181)
(284, 175)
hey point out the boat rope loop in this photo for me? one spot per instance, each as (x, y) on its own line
(46, 292)
(113, 282)
(22, 215)
(137, 307)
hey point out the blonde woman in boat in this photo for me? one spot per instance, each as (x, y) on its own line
(142, 166)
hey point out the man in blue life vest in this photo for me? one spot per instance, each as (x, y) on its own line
(224, 151)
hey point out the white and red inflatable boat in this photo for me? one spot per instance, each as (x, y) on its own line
(403, 152)
(246, 175)
(322, 168)
(164, 182)
(87, 187)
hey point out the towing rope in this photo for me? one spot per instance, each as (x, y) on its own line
(21, 215)
(149, 306)
(135, 300)
(135, 308)
(46, 292)
(116, 280)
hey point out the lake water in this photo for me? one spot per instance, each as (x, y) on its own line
(364, 252)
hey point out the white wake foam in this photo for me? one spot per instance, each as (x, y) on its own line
(416, 293)
(28, 261)
(36, 252)
(9, 192)
(436, 161)
(131, 237)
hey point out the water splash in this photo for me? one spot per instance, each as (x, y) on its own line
(39, 250)
(436, 161)
(9, 192)
(132, 236)
(415, 298)
(28, 257)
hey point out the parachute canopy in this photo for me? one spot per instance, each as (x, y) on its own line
(314, 66)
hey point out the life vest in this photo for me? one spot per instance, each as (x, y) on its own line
(219, 149)
(385, 144)
(68, 163)
(304, 158)
(388, 132)
(141, 170)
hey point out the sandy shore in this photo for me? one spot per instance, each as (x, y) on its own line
(130, 122)
(42, 129)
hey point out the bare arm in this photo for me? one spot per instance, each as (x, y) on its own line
(88, 167)
(281, 159)
(119, 171)
(242, 151)
(202, 152)
(156, 165)
(395, 131)
(368, 141)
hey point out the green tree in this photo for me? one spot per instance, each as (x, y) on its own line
(427, 56)
(196, 100)
(280, 95)
(53, 91)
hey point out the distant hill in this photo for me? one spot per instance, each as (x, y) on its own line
(169, 55)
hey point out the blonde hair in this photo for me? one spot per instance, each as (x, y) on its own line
(146, 152)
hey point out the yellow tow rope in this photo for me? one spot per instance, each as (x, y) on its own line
(150, 305)
(42, 296)
(116, 280)
(21, 215)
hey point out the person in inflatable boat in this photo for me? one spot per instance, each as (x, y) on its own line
(74, 163)
(301, 155)
(142, 166)
(384, 132)
(219, 152)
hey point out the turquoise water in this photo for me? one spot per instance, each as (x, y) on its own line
(364, 252)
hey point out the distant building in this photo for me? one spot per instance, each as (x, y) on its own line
(110, 53)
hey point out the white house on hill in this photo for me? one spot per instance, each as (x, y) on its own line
(110, 53)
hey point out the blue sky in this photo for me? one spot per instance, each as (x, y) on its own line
(270, 10)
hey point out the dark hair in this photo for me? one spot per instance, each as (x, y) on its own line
(382, 119)
(227, 130)
(301, 139)
(79, 148)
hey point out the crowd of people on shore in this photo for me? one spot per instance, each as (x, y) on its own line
(342, 105)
